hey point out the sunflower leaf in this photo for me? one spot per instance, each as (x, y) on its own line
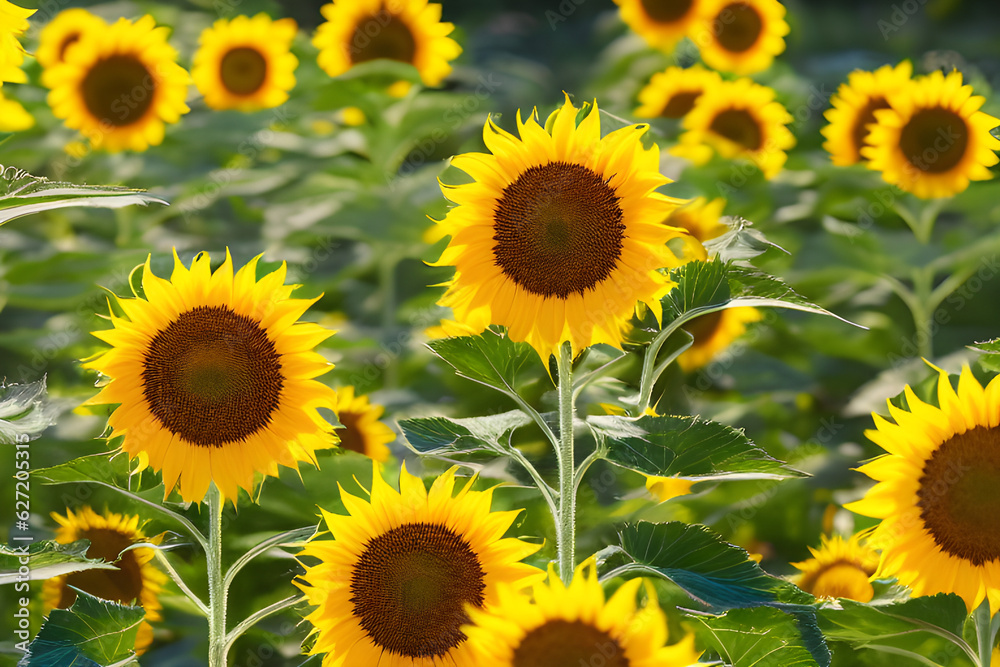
(439, 436)
(46, 559)
(760, 637)
(489, 358)
(25, 412)
(740, 242)
(100, 468)
(91, 633)
(686, 447)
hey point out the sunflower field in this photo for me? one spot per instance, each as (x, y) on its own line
(573, 333)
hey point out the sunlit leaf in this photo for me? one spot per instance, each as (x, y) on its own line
(489, 359)
(24, 412)
(438, 436)
(758, 637)
(46, 559)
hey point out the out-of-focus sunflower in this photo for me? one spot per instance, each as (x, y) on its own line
(410, 31)
(62, 32)
(394, 585)
(738, 119)
(713, 333)
(740, 36)
(672, 93)
(938, 492)
(933, 139)
(246, 63)
(13, 116)
(560, 233)
(362, 431)
(854, 106)
(668, 488)
(120, 85)
(839, 569)
(573, 625)
(13, 24)
(215, 377)
(662, 23)
(700, 218)
(136, 578)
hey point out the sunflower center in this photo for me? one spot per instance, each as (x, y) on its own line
(738, 27)
(121, 585)
(382, 35)
(739, 126)
(666, 11)
(558, 230)
(118, 90)
(704, 327)
(243, 70)
(351, 436)
(410, 586)
(212, 376)
(561, 643)
(959, 498)
(68, 41)
(934, 140)
(680, 104)
(865, 117)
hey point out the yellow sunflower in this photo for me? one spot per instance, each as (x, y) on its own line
(854, 106)
(713, 333)
(13, 23)
(214, 377)
(246, 63)
(737, 119)
(938, 492)
(700, 218)
(410, 31)
(560, 233)
(839, 569)
(136, 579)
(394, 585)
(119, 85)
(933, 139)
(740, 36)
(662, 23)
(362, 432)
(673, 92)
(668, 488)
(569, 626)
(13, 116)
(62, 32)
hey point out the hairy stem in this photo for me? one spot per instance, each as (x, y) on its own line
(216, 589)
(566, 516)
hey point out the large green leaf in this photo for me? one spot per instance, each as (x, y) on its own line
(687, 447)
(101, 468)
(91, 633)
(43, 560)
(758, 637)
(24, 412)
(490, 358)
(438, 436)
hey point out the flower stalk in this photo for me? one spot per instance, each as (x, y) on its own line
(216, 590)
(566, 516)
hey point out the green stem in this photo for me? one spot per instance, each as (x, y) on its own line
(216, 589)
(920, 308)
(985, 632)
(566, 519)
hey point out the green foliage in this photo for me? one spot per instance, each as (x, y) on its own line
(490, 359)
(46, 559)
(438, 436)
(25, 412)
(758, 637)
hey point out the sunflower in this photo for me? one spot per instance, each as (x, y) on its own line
(839, 569)
(662, 23)
(409, 31)
(713, 333)
(13, 116)
(394, 585)
(13, 23)
(362, 432)
(560, 233)
(933, 139)
(853, 112)
(740, 36)
(119, 85)
(737, 119)
(62, 32)
(673, 92)
(213, 374)
(246, 63)
(700, 218)
(568, 626)
(136, 579)
(938, 492)
(668, 488)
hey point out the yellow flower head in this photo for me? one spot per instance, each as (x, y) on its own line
(740, 36)
(135, 581)
(713, 333)
(839, 569)
(362, 432)
(700, 218)
(933, 140)
(673, 92)
(13, 116)
(560, 233)
(737, 119)
(938, 492)
(214, 377)
(404, 568)
(62, 33)
(410, 31)
(854, 106)
(575, 625)
(662, 23)
(246, 63)
(13, 24)
(120, 85)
